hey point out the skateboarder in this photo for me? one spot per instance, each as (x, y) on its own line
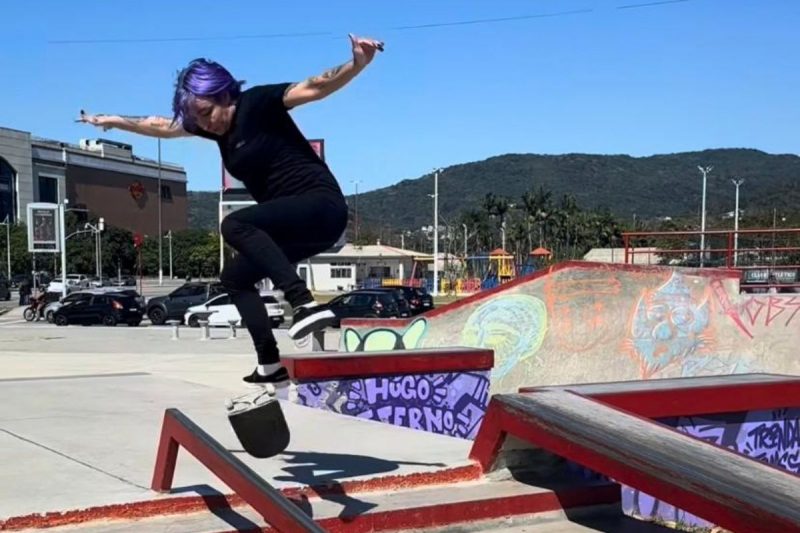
(300, 208)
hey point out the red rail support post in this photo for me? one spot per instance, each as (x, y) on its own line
(177, 430)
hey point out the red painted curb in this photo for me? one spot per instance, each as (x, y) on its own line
(190, 504)
(467, 512)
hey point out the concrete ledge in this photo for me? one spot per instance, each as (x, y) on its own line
(337, 365)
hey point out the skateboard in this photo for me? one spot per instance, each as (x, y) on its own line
(259, 423)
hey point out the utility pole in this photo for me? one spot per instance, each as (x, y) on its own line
(737, 183)
(62, 207)
(169, 236)
(355, 208)
(465, 241)
(436, 232)
(705, 171)
(98, 253)
(160, 263)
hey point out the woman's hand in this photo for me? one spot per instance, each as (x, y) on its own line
(364, 50)
(94, 120)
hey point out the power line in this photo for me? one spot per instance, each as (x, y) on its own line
(329, 33)
(501, 19)
(649, 4)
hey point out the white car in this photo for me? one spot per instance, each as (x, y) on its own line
(222, 311)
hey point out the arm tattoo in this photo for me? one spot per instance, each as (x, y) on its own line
(326, 76)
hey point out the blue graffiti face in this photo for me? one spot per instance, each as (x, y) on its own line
(668, 325)
(513, 326)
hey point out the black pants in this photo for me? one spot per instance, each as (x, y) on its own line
(270, 237)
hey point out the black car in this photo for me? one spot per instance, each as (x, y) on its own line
(419, 299)
(364, 304)
(107, 309)
(403, 302)
(174, 305)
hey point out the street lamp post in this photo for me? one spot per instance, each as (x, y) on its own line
(436, 232)
(160, 260)
(98, 250)
(62, 207)
(705, 171)
(737, 183)
(355, 208)
(169, 236)
(465, 241)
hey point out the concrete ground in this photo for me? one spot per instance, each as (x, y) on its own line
(81, 410)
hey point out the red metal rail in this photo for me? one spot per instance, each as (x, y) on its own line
(775, 251)
(750, 497)
(178, 430)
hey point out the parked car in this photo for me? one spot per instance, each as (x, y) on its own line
(222, 310)
(55, 302)
(403, 304)
(78, 281)
(174, 305)
(364, 303)
(419, 298)
(108, 309)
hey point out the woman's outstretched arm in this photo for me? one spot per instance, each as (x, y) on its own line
(153, 126)
(318, 87)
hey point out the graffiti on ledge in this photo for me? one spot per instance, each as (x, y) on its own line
(449, 403)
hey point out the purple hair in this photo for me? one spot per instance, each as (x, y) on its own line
(206, 78)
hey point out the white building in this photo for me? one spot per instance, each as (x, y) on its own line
(345, 269)
(637, 256)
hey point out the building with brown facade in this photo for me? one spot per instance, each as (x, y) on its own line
(101, 176)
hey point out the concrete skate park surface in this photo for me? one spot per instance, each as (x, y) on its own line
(82, 406)
(79, 431)
(580, 322)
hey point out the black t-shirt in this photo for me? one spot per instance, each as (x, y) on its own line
(267, 152)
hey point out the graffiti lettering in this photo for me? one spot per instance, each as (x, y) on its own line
(766, 310)
(776, 443)
(727, 306)
(407, 388)
(769, 436)
(449, 404)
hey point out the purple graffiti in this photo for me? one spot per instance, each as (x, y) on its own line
(772, 437)
(449, 404)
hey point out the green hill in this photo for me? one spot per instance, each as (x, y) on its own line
(649, 187)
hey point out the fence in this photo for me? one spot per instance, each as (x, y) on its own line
(768, 258)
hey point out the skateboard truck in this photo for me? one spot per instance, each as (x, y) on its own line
(258, 422)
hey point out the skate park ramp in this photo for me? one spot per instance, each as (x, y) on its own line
(582, 322)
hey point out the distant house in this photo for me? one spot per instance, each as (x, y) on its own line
(352, 265)
(639, 256)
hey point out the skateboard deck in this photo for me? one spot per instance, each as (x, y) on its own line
(259, 423)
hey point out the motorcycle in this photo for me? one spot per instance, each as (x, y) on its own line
(35, 309)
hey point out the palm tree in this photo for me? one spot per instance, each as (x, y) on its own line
(538, 209)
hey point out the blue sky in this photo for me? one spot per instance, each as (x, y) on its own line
(673, 77)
